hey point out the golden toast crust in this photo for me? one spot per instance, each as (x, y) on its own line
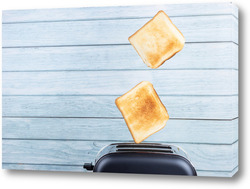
(143, 111)
(158, 40)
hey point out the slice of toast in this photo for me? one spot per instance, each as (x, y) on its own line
(143, 111)
(158, 40)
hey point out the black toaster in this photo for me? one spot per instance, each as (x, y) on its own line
(143, 158)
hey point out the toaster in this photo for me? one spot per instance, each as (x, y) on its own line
(143, 158)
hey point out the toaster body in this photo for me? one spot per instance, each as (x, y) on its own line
(143, 158)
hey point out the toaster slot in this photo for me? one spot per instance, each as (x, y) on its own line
(147, 146)
(144, 150)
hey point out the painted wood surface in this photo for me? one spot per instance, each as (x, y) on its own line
(65, 152)
(63, 69)
(218, 173)
(92, 13)
(190, 131)
(195, 29)
(122, 57)
(173, 82)
(183, 107)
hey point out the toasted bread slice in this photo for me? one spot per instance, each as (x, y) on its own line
(143, 111)
(158, 40)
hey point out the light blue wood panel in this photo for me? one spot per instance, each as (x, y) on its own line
(120, 12)
(203, 156)
(192, 131)
(166, 82)
(87, 123)
(42, 167)
(207, 56)
(195, 29)
(191, 107)
(218, 173)
(79, 168)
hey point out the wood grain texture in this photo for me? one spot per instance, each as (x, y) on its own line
(173, 82)
(195, 29)
(91, 13)
(218, 173)
(79, 168)
(203, 156)
(122, 57)
(48, 167)
(191, 131)
(185, 107)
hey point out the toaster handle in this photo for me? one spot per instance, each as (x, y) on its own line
(88, 166)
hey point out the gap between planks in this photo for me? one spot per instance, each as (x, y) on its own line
(175, 95)
(117, 18)
(117, 141)
(116, 118)
(79, 70)
(111, 44)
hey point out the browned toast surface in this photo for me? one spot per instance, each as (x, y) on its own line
(143, 111)
(158, 40)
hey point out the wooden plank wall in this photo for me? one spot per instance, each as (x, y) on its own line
(63, 69)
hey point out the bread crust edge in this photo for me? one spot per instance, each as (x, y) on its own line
(160, 63)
